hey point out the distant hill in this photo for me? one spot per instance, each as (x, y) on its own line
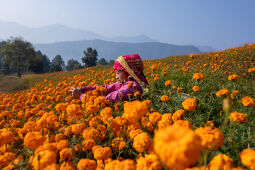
(206, 49)
(111, 50)
(58, 33)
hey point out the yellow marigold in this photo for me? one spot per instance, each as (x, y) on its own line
(88, 144)
(134, 111)
(210, 138)
(248, 101)
(126, 164)
(150, 161)
(118, 143)
(165, 98)
(142, 142)
(223, 92)
(86, 164)
(221, 161)
(6, 137)
(43, 159)
(196, 88)
(178, 147)
(155, 117)
(189, 104)
(248, 158)
(238, 117)
(232, 77)
(73, 109)
(33, 140)
(101, 153)
(134, 133)
(198, 76)
(179, 114)
(168, 82)
(165, 121)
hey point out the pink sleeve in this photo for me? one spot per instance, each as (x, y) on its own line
(121, 94)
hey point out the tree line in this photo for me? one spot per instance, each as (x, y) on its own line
(19, 56)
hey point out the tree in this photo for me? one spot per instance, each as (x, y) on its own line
(16, 53)
(57, 64)
(90, 58)
(102, 61)
(72, 65)
(40, 63)
(111, 62)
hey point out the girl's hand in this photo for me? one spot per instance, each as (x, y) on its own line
(75, 92)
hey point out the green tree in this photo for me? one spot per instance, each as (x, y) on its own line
(102, 61)
(57, 64)
(90, 58)
(16, 53)
(40, 63)
(72, 65)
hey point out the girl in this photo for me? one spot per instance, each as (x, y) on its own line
(129, 71)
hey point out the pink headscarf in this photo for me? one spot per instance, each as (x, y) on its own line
(135, 63)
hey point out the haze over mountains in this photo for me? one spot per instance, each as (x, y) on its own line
(70, 43)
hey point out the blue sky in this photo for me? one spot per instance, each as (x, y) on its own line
(217, 23)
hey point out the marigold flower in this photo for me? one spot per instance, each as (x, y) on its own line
(168, 82)
(189, 104)
(33, 140)
(62, 144)
(223, 92)
(210, 138)
(137, 93)
(65, 155)
(73, 109)
(118, 143)
(6, 137)
(178, 147)
(78, 128)
(150, 161)
(165, 98)
(183, 123)
(232, 77)
(134, 133)
(155, 117)
(87, 164)
(198, 76)
(209, 123)
(69, 165)
(165, 121)
(90, 133)
(248, 158)
(179, 114)
(142, 142)
(43, 159)
(88, 144)
(106, 112)
(238, 117)
(130, 84)
(126, 164)
(6, 158)
(134, 111)
(196, 88)
(101, 153)
(221, 161)
(248, 101)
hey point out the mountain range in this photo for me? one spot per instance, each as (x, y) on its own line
(70, 43)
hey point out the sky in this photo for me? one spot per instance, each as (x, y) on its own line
(220, 24)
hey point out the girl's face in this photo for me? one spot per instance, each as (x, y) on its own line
(121, 75)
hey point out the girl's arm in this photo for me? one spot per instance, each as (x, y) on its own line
(109, 88)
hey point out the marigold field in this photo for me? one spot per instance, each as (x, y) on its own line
(199, 113)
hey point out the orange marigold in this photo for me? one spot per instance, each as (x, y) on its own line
(196, 88)
(232, 77)
(73, 109)
(238, 117)
(179, 114)
(6, 137)
(87, 164)
(198, 76)
(248, 101)
(211, 138)
(126, 164)
(33, 140)
(168, 82)
(189, 104)
(223, 92)
(178, 147)
(142, 142)
(221, 161)
(101, 153)
(165, 98)
(43, 159)
(248, 158)
(150, 161)
(165, 121)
